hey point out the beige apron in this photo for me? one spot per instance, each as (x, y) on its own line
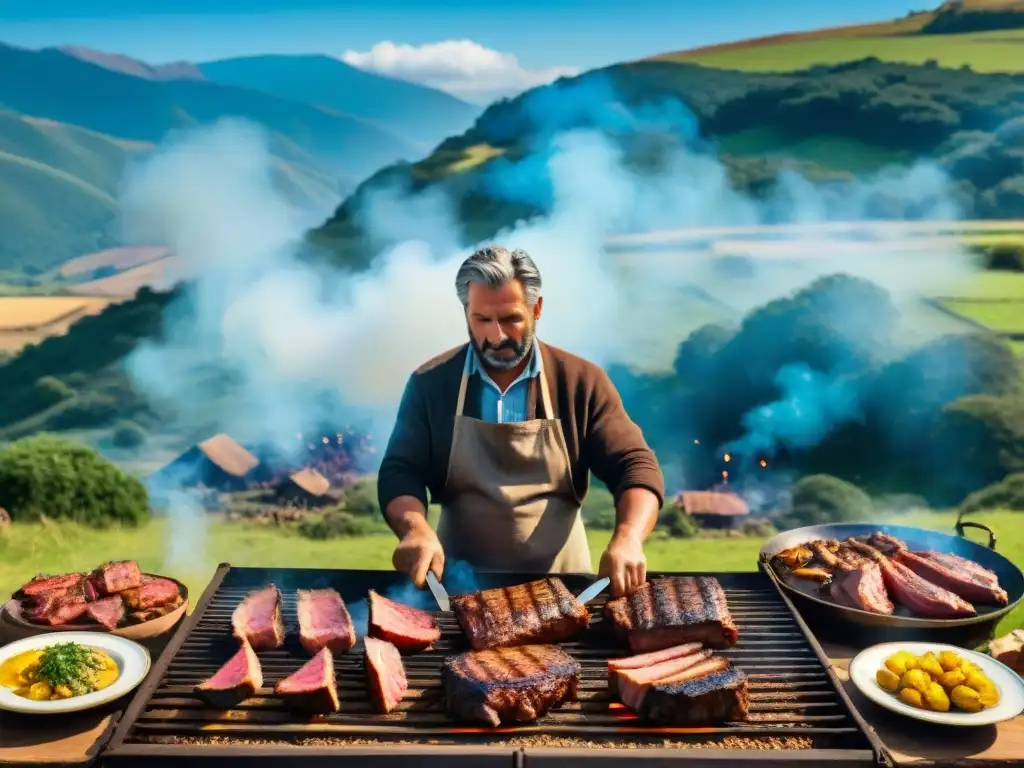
(509, 499)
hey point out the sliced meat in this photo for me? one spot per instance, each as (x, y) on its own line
(324, 621)
(509, 685)
(43, 584)
(237, 680)
(61, 609)
(958, 564)
(671, 611)
(108, 611)
(257, 619)
(712, 699)
(407, 628)
(865, 588)
(311, 688)
(542, 611)
(960, 582)
(385, 674)
(647, 660)
(151, 593)
(632, 684)
(141, 617)
(910, 590)
(116, 576)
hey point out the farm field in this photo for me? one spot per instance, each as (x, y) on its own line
(832, 152)
(1000, 315)
(996, 51)
(54, 547)
(30, 319)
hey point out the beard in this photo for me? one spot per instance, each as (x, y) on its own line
(489, 353)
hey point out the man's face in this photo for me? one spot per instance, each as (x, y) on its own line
(501, 324)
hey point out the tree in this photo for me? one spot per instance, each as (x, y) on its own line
(818, 499)
(128, 434)
(44, 475)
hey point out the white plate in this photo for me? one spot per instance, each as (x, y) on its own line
(1011, 688)
(132, 660)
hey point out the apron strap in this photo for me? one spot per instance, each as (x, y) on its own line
(545, 394)
(461, 402)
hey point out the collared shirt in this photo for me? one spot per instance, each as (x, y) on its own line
(511, 405)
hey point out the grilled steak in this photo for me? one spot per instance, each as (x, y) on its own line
(61, 609)
(116, 576)
(141, 617)
(151, 593)
(672, 611)
(108, 611)
(324, 621)
(633, 684)
(958, 564)
(407, 628)
(237, 680)
(716, 698)
(43, 584)
(959, 580)
(509, 685)
(859, 584)
(917, 594)
(257, 619)
(385, 674)
(311, 688)
(542, 611)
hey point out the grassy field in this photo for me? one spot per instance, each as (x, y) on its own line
(1002, 316)
(833, 152)
(29, 549)
(997, 51)
(30, 319)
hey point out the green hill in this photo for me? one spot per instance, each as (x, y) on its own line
(985, 35)
(415, 112)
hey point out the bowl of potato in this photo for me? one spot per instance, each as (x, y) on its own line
(938, 683)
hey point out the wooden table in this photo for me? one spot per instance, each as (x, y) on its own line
(914, 743)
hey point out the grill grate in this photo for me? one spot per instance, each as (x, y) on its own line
(794, 699)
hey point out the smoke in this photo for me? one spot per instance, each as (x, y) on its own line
(284, 332)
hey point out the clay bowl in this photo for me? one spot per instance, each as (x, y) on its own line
(13, 626)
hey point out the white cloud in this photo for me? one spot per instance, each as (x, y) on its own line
(463, 68)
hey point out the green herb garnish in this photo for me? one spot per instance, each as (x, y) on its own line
(68, 664)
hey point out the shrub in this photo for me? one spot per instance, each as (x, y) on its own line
(599, 509)
(360, 499)
(818, 499)
(90, 410)
(128, 434)
(1009, 258)
(678, 524)
(1008, 493)
(45, 475)
(760, 527)
(337, 524)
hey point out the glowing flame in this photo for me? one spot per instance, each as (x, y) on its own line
(763, 463)
(325, 441)
(696, 442)
(725, 475)
(728, 457)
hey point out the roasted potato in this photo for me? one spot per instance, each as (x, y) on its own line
(900, 662)
(952, 679)
(966, 699)
(989, 695)
(912, 697)
(936, 699)
(888, 679)
(949, 661)
(977, 680)
(929, 662)
(917, 679)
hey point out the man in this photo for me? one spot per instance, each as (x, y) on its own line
(503, 432)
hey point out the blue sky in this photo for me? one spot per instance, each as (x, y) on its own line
(540, 33)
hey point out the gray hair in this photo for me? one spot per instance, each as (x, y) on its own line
(495, 266)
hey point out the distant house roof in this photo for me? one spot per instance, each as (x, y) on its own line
(713, 503)
(228, 455)
(311, 481)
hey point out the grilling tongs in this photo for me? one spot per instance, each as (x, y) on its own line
(441, 594)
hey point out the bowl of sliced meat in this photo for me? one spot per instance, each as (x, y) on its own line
(116, 598)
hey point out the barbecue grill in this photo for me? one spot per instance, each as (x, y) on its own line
(798, 713)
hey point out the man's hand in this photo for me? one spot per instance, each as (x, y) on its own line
(625, 563)
(418, 552)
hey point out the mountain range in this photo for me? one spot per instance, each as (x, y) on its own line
(71, 118)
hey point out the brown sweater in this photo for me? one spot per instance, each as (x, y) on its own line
(599, 434)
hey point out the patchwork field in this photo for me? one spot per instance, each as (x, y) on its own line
(30, 319)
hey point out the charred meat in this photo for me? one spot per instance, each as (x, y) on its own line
(312, 687)
(43, 585)
(108, 611)
(542, 611)
(718, 697)
(509, 685)
(385, 674)
(407, 628)
(324, 621)
(257, 619)
(237, 680)
(672, 611)
(111, 578)
(152, 592)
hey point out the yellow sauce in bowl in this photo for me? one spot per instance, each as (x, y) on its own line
(58, 672)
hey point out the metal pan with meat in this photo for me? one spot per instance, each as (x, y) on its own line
(888, 576)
